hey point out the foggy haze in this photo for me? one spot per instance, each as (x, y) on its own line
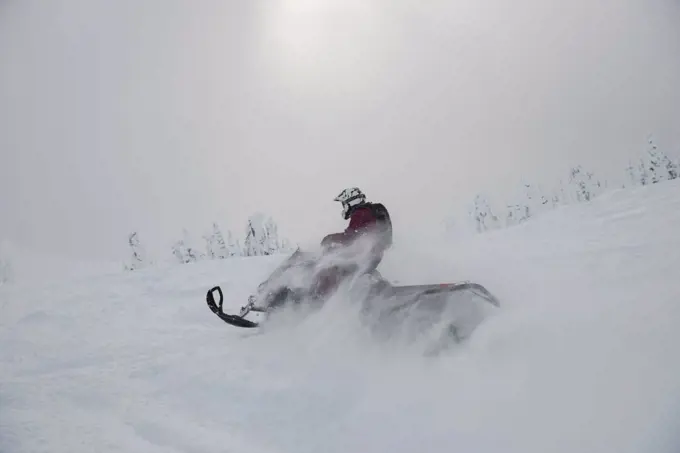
(163, 115)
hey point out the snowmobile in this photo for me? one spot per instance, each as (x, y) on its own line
(455, 307)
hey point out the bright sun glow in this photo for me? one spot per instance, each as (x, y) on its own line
(316, 40)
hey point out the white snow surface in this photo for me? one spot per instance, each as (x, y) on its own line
(583, 356)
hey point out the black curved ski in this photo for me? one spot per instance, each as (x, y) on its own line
(216, 307)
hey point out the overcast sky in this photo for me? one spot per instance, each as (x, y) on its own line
(160, 115)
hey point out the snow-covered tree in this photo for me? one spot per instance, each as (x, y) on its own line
(272, 242)
(654, 163)
(659, 165)
(559, 195)
(209, 246)
(262, 237)
(534, 201)
(184, 250)
(672, 168)
(233, 246)
(215, 246)
(517, 214)
(655, 166)
(219, 246)
(193, 252)
(250, 244)
(482, 215)
(643, 173)
(179, 251)
(255, 242)
(585, 185)
(138, 258)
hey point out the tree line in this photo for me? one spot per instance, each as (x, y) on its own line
(261, 238)
(653, 167)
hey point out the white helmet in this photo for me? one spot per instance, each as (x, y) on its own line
(349, 198)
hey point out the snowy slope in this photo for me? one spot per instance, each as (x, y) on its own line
(582, 357)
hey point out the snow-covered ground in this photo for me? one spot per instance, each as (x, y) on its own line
(583, 356)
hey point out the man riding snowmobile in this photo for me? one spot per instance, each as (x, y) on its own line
(369, 234)
(366, 220)
(355, 251)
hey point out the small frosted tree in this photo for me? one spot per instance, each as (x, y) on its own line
(585, 185)
(254, 242)
(517, 214)
(218, 243)
(138, 255)
(184, 251)
(262, 237)
(654, 165)
(209, 246)
(250, 242)
(672, 168)
(659, 165)
(482, 215)
(214, 244)
(233, 246)
(272, 242)
(534, 201)
(179, 251)
(192, 253)
(643, 173)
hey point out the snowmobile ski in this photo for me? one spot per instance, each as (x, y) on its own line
(234, 320)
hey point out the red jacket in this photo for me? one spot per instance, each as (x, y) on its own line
(360, 221)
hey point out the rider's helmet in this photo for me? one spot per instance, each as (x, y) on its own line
(350, 198)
